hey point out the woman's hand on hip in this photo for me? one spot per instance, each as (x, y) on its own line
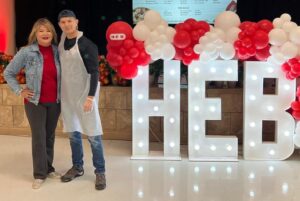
(27, 93)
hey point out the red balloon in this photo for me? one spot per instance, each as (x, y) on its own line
(251, 51)
(298, 92)
(247, 42)
(265, 25)
(128, 71)
(187, 27)
(250, 31)
(244, 25)
(133, 52)
(114, 60)
(242, 35)
(203, 25)
(128, 43)
(187, 61)
(292, 61)
(178, 54)
(296, 115)
(263, 54)
(195, 35)
(127, 60)
(139, 45)
(122, 51)
(288, 76)
(179, 26)
(260, 39)
(143, 59)
(295, 105)
(188, 51)
(190, 21)
(117, 32)
(296, 69)
(285, 67)
(182, 39)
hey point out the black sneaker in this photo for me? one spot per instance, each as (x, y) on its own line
(72, 174)
(100, 183)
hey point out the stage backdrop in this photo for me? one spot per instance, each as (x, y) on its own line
(7, 26)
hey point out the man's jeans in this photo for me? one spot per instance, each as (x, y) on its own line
(97, 150)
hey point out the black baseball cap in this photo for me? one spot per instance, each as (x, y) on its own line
(66, 13)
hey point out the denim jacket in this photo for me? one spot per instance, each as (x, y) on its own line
(31, 58)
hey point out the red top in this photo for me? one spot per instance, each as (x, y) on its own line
(49, 77)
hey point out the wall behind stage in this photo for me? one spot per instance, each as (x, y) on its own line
(96, 15)
(7, 26)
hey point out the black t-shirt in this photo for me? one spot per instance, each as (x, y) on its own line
(89, 54)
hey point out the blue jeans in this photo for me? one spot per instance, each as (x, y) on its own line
(97, 150)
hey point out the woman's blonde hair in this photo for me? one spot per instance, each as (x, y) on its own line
(42, 22)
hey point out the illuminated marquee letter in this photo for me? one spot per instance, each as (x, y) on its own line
(169, 108)
(202, 109)
(259, 107)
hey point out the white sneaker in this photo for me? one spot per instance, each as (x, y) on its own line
(54, 175)
(37, 183)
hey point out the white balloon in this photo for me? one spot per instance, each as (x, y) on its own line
(274, 49)
(204, 57)
(158, 45)
(170, 32)
(198, 48)
(210, 48)
(227, 52)
(286, 17)
(220, 33)
(152, 19)
(141, 32)
(164, 23)
(168, 52)
(156, 54)
(232, 34)
(149, 49)
(289, 26)
(295, 35)
(154, 36)
(214, 56)
(161, 29)
(278, 22)
(163, 38)
(204, 40)
(219, 43)
(227, 20)
(277, 36)
(271, 60)
(279, 58)
(212, 37)
(289, 50)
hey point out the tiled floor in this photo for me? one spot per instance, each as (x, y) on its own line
(129, 180)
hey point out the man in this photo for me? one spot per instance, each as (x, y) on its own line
(80, 96)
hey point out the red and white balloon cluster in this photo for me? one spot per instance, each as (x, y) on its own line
(295, 105)
(285, 39)
(124, 53)
(218, 42)
(156, 35)
(187, 36)
(291, 68)
(152, 39)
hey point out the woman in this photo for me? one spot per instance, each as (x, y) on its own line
(41, 94)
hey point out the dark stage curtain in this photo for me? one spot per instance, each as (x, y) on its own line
(255, 10)
(94, 16)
